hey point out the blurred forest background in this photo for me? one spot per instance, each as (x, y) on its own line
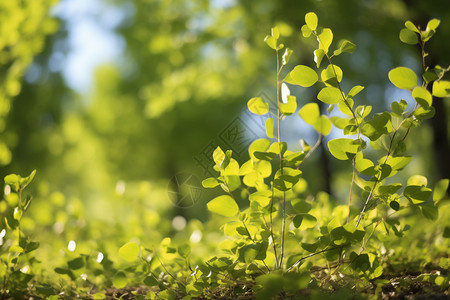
(163, 81)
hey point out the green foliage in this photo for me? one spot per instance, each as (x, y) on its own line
(23, 28)
(279, 239)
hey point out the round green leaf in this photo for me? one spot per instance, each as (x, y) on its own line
(210, 182)
(120, 280)
(343, 149)
(418, 180)
(311, 20)
(329, 74)
(440, 189)
(310, 113)
(223, 205)
(129, 251)
(441, 88)
(303, 76)
(408, 37)
(257, 106)
(422, 96)
(323, 125)
(325, 39)
(403, 78)
(330, 95)
(269, 127)
(318, 56)
(411, 26)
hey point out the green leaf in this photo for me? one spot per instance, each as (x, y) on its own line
(265, 155)
(364, 166)
(306, 31)
(98, 296)
(325, 38)
(408, 36)
(218, 156)
(269, 128)
(286, 56)
(394, 205)
(150, 281)
(355, 90)
(271, 284)
(411, 26)
(430, 212)
(417, 180)
(399, 107)
(233, 182)
(13, 181)
(258, 106)
(288, 108)
(441, 89)
(184, 250)
(440, 190)
(403, 78)
(323, 125)
(433, 24)
(120, 280)
(223, 205)
(275, 32)
(304, 221)
(310, 113)
(343, 148)
(330, 95)
(345, 46)
(129, 251)
(396, 163)
(76, 263)
(422, 96)
(390, 188)
(250, 253)
(303, 76)
(261, 197)
(417, 194)
(379, 125)
(318, 56)
(311, 20)
(271, 42)
(329, 74)
(210, 182)
(259, 145)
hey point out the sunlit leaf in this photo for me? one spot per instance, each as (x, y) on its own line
(329, 74)
(318, 56)
(223, 205)
(343, 148)
(440, 190)
(129, 251)
(403, 78)
(303, 76)
(441, 89)
(422, 96)
(325, 38)
(417, 194)
(269, 128)
(311, 20)
(210, 182)
(258, 106)
(288, 108)
(330, 95)
(323, 125)
(345, 46)
(120, 280)
(310, 113)
(408, 36)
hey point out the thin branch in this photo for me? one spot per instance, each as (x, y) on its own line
(311, 255)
